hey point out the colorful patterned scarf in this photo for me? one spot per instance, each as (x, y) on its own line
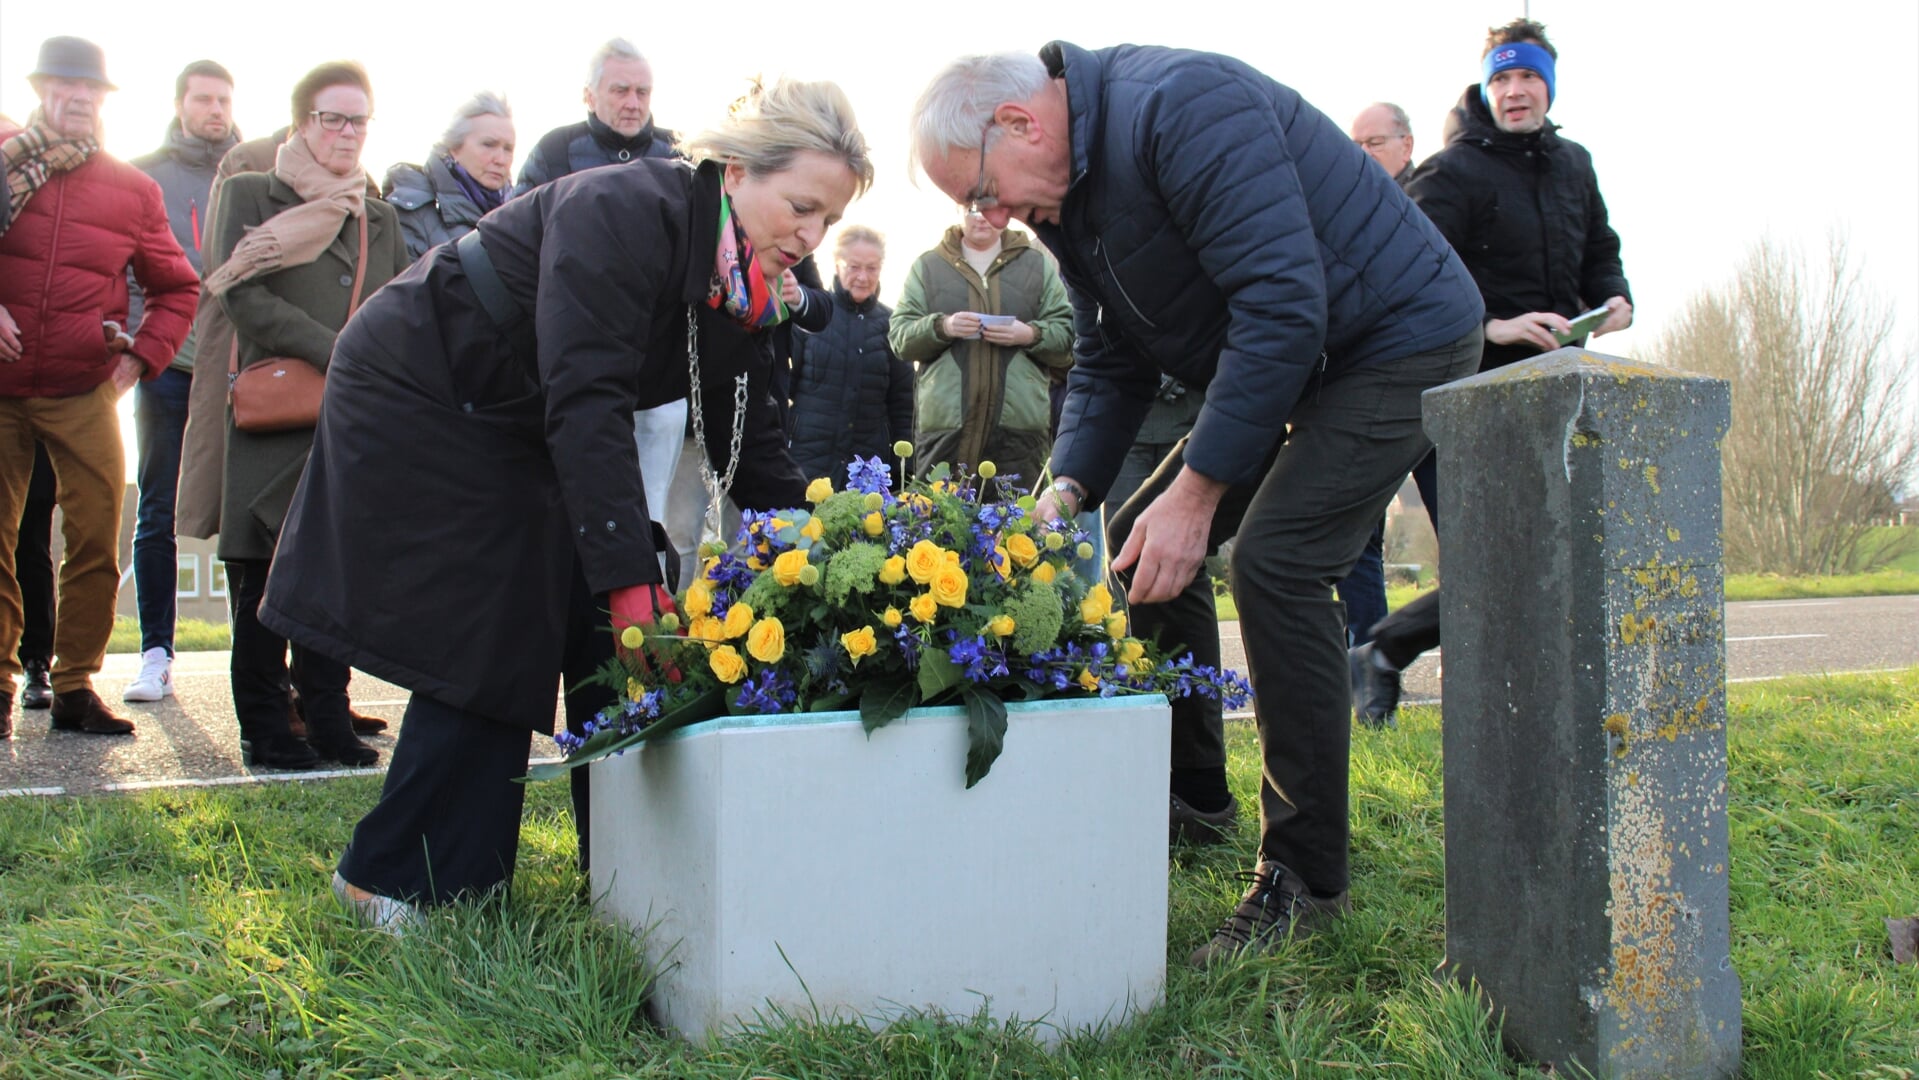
(737, 281)
(33, 156)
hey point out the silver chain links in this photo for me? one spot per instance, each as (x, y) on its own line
(718, 486)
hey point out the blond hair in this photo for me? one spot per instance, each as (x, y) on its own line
(770, 126)
(859, 234)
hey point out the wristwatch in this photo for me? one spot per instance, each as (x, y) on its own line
(1065, 486)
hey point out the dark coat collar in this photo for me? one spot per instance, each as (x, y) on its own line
(1085, 82)
(845, 299)
(703, 239)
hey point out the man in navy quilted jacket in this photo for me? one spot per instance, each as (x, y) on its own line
(1213, 226)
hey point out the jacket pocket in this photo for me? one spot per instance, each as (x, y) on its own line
(1028, 405)
(937, 395)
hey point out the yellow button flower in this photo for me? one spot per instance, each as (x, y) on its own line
(859, 643)
(873, 523)
(1024, 552)
(893, 571)
(1097, 605)
(924, 607)
(819, 491)
(892, 618)
(739, 619)
(766, 641)
(1043, 573)
(1001, 626)
(949, 587)
(727, 664)
(924, 561)
(786, 568)
(632, 638)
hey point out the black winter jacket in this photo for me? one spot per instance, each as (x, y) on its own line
(589, 144)
(1220, 229)
(1525, 213)
(852, 397)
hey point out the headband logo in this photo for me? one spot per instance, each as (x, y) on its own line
(1504, 55)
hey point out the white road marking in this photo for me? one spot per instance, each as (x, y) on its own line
(1774, 637)
(1785, 603)
(1816, 675)
(10, 792)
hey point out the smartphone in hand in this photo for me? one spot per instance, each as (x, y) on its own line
(1582, 325)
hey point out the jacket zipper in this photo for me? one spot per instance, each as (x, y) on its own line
(46, 287)
(1099, 248)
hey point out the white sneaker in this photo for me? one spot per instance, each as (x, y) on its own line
(155, 680)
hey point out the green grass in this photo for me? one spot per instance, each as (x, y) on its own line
(189, 635)
(1777, 587)
(191, 933)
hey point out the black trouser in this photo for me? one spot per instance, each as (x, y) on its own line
(448, 821)
(1414, 629)
(260, 673)
(33, 562)
(1301, 524)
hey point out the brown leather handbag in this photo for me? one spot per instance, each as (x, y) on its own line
(282, 393)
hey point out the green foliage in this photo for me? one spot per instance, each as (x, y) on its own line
(191, 933)
(189, 635)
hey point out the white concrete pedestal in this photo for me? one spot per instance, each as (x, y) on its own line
(791, 860)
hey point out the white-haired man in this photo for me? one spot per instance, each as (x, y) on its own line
(1213, 226)
(619, 121)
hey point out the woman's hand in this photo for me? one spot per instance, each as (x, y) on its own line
(1015, 334)
(960, 324)
(790, 290)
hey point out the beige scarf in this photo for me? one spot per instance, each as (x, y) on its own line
(297, 235)
(32, 156)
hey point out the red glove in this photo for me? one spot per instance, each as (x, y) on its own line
(639, 605)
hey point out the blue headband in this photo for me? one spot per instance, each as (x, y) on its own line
(1519, 54)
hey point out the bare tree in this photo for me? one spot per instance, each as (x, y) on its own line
(1825, 434)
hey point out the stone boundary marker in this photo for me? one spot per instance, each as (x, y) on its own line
(1585, 711)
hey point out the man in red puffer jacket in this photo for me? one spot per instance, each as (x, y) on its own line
(74, 221)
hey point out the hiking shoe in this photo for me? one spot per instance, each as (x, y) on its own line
(82, 710)
(1375, 689)
(376, 912)
(1190, 826)
(38, 692)
(155, 680)
(1276, 908)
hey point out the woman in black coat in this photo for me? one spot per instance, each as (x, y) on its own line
(474, 499)
(852, 397)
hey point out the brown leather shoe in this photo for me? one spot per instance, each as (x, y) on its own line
(296, 720)
(82, 710)
(366, 725)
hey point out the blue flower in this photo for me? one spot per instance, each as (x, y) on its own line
(868, 476)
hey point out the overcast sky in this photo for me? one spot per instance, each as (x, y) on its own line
(1711, 124)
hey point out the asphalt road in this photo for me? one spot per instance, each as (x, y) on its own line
(191, 738)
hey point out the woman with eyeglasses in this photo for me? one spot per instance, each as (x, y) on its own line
(290, 251)
(474, 506)
(469, 173)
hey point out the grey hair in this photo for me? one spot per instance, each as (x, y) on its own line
(615, 47)
(859, 234)
(768, 127)
(1400, 119)
(484, 103)
(956, 107)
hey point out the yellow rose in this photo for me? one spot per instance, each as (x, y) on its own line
(924, 607)
(786, 568)
(1024, 552)
(766, 642)
(1131, 650)
(632, 638)
(710, 567)
(819, 490)
(949, 587)
(1097, 605)
(924, 561)
(779, 523)
(1001, 626)
(706, 629)
(873, 524)
(699, 599)
(1088, 680)
(892, 617)
(952, 557)
(893, 571)
(1002, 562)
(813, 529)
(727, 664)
(1116, 625)
(1043, 573)
(859, 643)
(756, 564)
(739, 619)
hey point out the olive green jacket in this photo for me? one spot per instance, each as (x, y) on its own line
(975, 401)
